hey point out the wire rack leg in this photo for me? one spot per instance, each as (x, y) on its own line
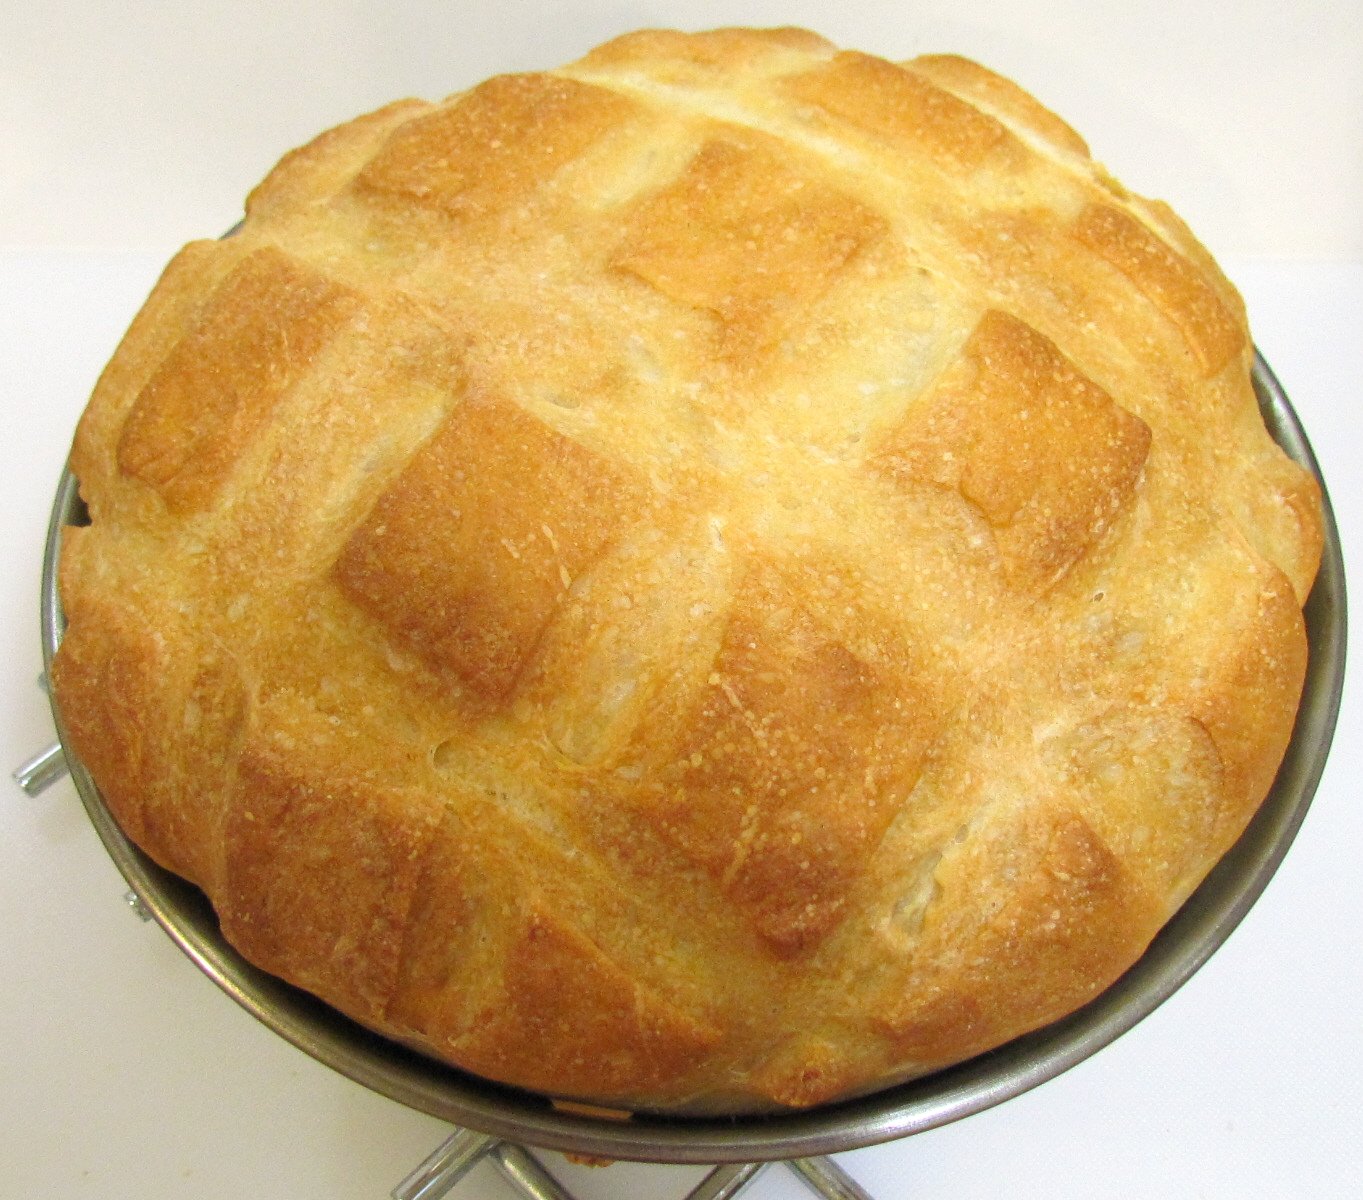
(725, 1181)
(523, 1170)
(42, 770)
(826, 1178)
(447, 1164)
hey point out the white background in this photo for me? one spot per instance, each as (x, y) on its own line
(127, 129)
(144, 123)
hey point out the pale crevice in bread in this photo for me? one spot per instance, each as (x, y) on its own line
(718, 577)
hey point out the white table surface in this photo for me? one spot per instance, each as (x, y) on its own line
(125, 1074)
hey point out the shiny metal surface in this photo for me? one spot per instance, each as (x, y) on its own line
(42, 770)
(726, 1181)
(446, 1165)
(524, 1172)
(825, 1178)
(1182, 947)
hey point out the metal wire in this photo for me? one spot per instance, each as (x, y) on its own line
(441, 1172)
(445, 1166)
(523, 1171)
(824, 1176)
(726, 1180)
(42, 770)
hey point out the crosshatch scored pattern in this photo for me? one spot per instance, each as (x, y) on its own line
(718, 576)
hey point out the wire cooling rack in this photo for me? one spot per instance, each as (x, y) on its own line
(453, 1159)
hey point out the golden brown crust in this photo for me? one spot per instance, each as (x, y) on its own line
(908, 112)
(1170, 281)
(1070, 926)
(261, 331)
(321, 901)
(716, 577)
(484, 154)
(567, 1018)
(993, 93)
(1042, 452)
(494, 476)
(740, 235)
(794, 759)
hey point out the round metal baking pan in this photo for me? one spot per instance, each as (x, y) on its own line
(1203, 923)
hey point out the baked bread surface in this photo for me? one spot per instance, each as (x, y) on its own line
(718, 577)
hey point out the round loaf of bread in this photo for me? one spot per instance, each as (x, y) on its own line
(719, 577)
